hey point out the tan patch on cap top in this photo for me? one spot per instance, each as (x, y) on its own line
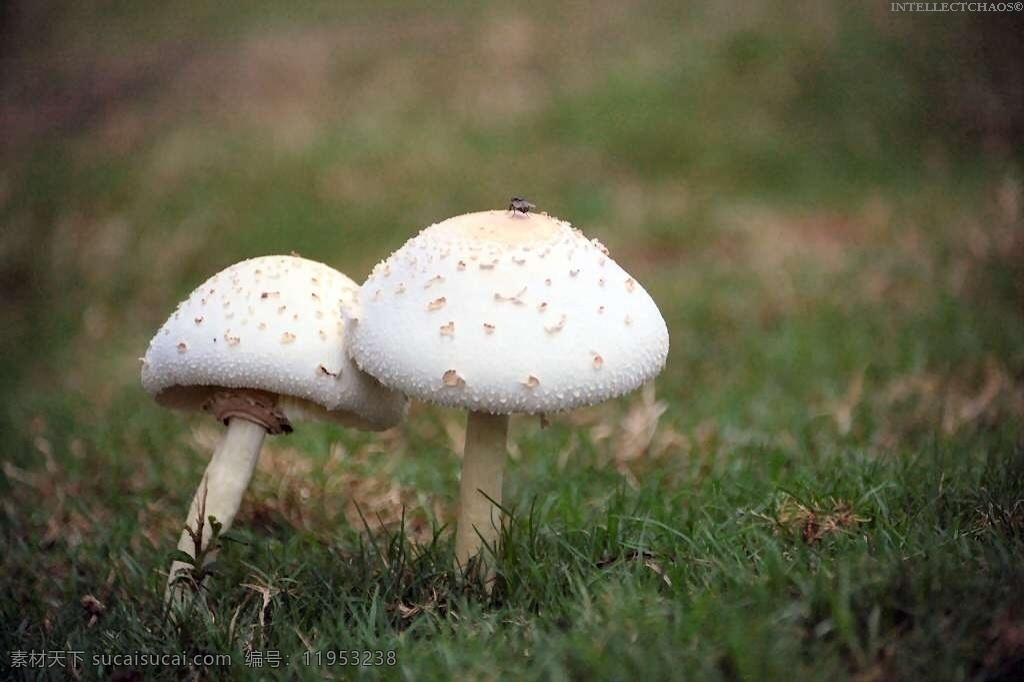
(503, 227)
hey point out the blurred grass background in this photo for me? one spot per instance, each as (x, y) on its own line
(825, 199)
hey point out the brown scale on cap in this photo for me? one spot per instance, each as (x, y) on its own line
(326, 372)
(514, 298)
(199, 319)
(554, 329)
(630, 284)
(452, 379)
(182, 347)
(531, 382)
(461, 265)
(436, 279)
(488, 328)
(231, 339)
(448, 329)
(598, 360)
(287, 337)
(400, 289)
(437, 303)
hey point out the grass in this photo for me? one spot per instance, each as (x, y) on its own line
(825, 483)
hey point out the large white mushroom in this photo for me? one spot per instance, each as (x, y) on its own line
(502, 312)
(258, 345)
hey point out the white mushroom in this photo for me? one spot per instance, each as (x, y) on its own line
(258, 377)
(505, 358)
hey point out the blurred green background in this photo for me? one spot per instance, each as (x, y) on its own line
(824, 198)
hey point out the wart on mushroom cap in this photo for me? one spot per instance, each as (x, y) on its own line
(273, 324)
(548, 303)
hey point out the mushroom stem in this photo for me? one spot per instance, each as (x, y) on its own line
(483, 463)
(220, 494)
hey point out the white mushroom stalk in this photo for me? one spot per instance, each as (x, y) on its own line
(219, 495)
(503, 312)
(483, 467)
(258, 345)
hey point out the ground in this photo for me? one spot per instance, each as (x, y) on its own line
(826, 482)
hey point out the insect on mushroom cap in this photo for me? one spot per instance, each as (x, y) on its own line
(534, 313)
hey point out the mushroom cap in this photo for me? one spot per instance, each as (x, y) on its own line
(272, 324)
(506, 312)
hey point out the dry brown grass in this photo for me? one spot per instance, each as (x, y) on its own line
(815, 521)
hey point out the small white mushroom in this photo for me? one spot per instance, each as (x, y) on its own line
(258, 386)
